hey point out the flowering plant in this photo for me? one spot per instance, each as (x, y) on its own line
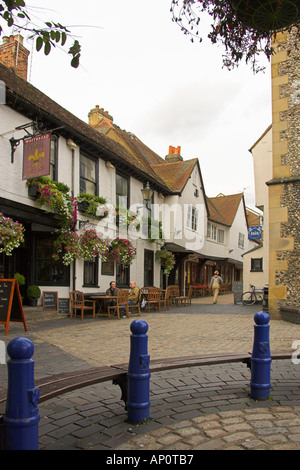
(92, 244)
(68, 244)
(94, 205)
(122, 251)
(56, 196)
(11, 234)
(167, 259)
(244, 27)
(127, 218)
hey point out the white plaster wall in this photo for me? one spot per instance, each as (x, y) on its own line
(262, 164)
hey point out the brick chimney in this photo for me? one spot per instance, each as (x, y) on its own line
(174, 155)
(100, 119)
(14, 55)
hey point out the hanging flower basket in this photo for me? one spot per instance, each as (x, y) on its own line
(267, 15)
(122, 251)
(11, 234)
(167, 259)
(92, 245)
(243, 27)
(67, 243)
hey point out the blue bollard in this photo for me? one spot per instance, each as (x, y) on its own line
(138, 376)
(261, 358)
(21, 416)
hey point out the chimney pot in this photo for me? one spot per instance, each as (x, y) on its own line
(14, 55)
(174, 155)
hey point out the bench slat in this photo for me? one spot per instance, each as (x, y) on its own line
(57, 384)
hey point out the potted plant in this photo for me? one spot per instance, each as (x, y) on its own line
(11, 234)
(89, 204)
(55, 196)
(33, 294)
(21, 281)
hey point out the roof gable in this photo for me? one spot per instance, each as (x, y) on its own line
(176, 174)
(223, 209)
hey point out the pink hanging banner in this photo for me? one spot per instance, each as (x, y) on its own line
(36, 156)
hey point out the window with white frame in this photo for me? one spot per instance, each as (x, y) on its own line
(211, 231)
(215, 233)
(192, 218)
(88, 183)
(221, 236)
(241, 242)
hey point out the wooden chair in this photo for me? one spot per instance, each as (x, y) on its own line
(153, 298)
(78, 302)
(186, 300)
(172, 295)
(122, 302)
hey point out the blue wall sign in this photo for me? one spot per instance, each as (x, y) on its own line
(254, 233)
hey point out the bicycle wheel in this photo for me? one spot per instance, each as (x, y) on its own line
(248, 298)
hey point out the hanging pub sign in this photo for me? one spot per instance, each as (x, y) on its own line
(36, 156)
(254, 233)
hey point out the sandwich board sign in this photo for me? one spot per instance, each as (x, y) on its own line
(11, 307)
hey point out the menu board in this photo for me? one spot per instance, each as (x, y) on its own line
(63, 306)
(11, 308)
(50, 300)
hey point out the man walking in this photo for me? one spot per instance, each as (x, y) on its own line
(215, 283)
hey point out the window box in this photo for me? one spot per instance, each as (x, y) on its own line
(33, 191)
(83, 206)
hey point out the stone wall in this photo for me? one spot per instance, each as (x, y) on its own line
(284, 188)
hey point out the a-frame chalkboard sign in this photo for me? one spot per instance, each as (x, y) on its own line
(11, 308)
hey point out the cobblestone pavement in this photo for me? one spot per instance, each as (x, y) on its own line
(191, 409)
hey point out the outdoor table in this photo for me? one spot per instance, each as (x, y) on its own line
(102, 303)
(201, 289)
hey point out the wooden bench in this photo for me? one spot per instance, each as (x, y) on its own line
(58, 384)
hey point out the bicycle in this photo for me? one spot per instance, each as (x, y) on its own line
(252, 296)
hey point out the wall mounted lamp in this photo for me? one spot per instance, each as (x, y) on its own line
(147, 194)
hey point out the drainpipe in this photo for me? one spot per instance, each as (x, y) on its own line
(72, 146)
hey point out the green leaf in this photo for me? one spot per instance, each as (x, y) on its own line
(63, 38)
(39, 43)
(75, 61)
(47, 48)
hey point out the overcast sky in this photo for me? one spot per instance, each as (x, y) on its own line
(137, 64)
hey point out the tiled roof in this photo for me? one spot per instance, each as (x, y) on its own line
(135, 156)
(222, 209)
(176, 174)
(253, 218)
(141, 152)
(34, 104)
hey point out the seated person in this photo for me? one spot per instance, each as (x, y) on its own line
(133, 297)
(113, 291)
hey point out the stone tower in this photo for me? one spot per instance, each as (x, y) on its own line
(284, 187)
